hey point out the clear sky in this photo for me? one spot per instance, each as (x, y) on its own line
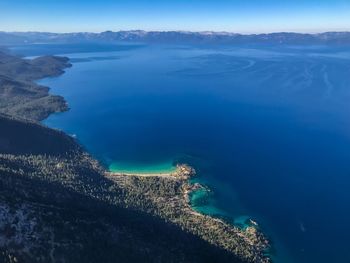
(242, 16)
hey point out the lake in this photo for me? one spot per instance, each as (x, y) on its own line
(267, 129)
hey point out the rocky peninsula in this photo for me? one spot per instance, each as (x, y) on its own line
(249, 244)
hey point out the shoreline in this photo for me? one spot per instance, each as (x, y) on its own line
(28, 99)
(183, 173)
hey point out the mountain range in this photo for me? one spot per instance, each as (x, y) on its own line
(206, 37)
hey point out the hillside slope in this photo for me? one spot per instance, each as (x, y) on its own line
(56, 205)
(20, 96)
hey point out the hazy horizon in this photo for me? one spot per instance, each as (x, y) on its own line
(180, 31)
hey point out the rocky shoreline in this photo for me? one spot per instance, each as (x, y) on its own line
(249, 243)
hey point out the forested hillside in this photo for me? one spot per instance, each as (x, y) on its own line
(56, 205)
(20, 96)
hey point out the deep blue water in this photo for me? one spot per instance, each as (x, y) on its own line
(267, 128)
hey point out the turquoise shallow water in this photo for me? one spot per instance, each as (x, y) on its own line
(267, 129)
(203, 202)
(143, 168)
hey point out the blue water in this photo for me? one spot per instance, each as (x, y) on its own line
(267, 128)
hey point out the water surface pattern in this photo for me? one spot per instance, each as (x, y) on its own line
(267, 128)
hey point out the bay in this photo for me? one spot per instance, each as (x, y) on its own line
(267, 129)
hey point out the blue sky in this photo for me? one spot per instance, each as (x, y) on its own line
(242, 16)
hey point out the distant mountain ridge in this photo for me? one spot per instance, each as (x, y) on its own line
(205, 37)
